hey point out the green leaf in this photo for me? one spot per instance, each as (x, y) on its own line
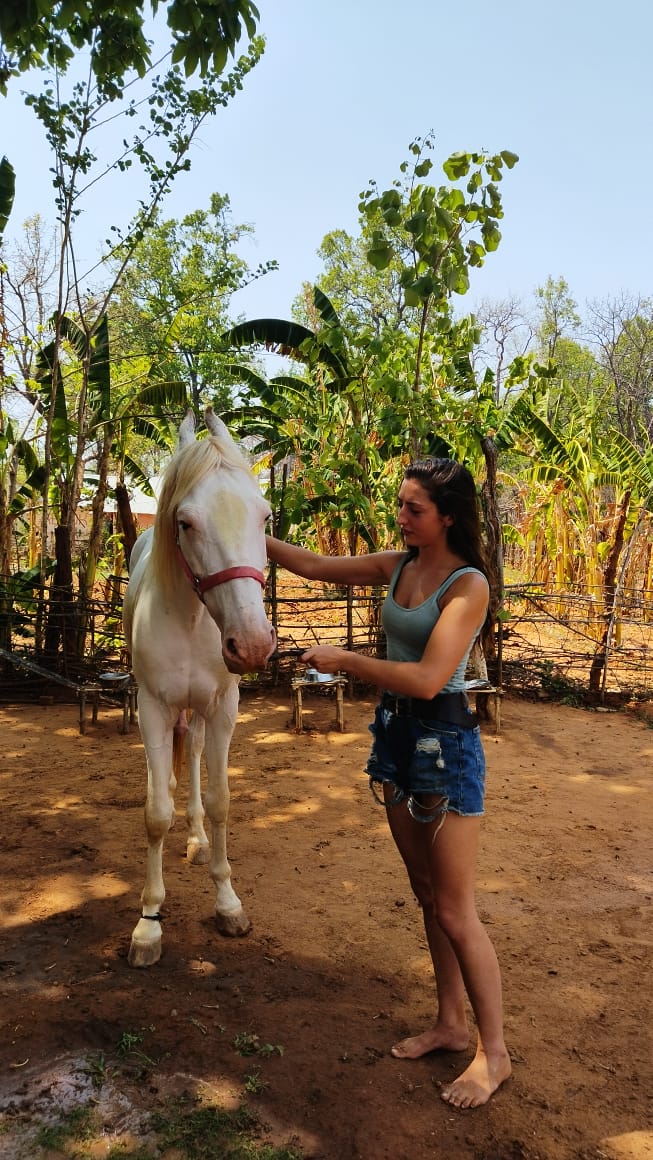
(412, 296)
(491, 236)
(380, 256)
(457, 166)
(325, 307)
(509, 159)
(7, 192)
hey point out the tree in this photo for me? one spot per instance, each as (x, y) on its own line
(29, 295)
(622, 330)
(366, 299)
(504, 334)
(172, 302)
(436, 234)
(42, 33)
(167, 120)
(7, 191)
(396, 359)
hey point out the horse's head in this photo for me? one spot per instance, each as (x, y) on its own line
(211, 518)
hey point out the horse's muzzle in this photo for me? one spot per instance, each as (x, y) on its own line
(248, 656)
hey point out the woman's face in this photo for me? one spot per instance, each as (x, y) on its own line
(419, 518)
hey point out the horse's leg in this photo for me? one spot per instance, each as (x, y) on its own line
(197, 843)
(230, 916)
(156, 732)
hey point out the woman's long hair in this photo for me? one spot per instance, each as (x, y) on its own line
(453, 491)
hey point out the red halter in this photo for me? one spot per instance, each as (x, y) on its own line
(202, 584)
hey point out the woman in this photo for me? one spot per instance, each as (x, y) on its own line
(426, 764)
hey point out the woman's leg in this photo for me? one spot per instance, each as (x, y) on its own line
(453, 867)
(441, 865)
(450, 1031)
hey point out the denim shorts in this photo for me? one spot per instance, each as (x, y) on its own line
(428, 757)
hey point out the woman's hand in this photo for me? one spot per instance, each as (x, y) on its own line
(325, 658)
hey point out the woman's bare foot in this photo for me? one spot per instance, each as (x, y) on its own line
(479, 1081)
(438, 1038)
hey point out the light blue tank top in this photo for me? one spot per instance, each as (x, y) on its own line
(407, 630)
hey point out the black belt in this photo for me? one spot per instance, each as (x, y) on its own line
(451, 707)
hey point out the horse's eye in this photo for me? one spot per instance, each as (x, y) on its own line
(183, 525)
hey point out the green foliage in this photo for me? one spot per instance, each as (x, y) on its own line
(203, 33)
(18, 600)
(255, 1085)
(169, 115)
(7, 191)
(129, 1048)
(173, 299)
(436, 234)
(248, 1043)
(558, 686)
(77, 407)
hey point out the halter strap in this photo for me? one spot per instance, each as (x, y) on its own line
(202, 584)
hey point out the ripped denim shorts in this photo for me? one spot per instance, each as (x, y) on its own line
(430, 758)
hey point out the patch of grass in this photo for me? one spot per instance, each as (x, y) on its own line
(128, 1048)
(204, 1132)
(255, 1084)
(97, 1070)
(556, 685)
(247, 1043)
(77, 1126)
(188, 1128)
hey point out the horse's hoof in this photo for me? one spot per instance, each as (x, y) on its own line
(144, 951)
(198, 853)
(233, 925)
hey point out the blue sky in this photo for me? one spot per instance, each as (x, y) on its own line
(343, 88)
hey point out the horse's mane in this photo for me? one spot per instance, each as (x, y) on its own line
(190, 464)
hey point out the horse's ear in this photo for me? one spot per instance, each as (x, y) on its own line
(187, 429)
(215, 425)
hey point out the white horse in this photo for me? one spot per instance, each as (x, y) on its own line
(194, 621)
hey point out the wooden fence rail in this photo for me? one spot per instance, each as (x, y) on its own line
(549, 638)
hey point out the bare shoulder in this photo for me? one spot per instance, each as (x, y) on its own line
(386, 563)
(374, 568)
(469, 586)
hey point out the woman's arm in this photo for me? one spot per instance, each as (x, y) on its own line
(375, 568)
(446, 647)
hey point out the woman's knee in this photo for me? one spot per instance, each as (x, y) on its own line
(456, 920)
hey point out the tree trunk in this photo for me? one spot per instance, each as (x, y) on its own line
(127, 524)
(94, 549)
(609, 594)
(61, 627)
(493, 538)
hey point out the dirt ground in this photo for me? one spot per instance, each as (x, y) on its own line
(335, 968)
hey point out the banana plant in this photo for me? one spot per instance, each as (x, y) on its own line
(101, 418)
(320, 419)
(581, 496)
